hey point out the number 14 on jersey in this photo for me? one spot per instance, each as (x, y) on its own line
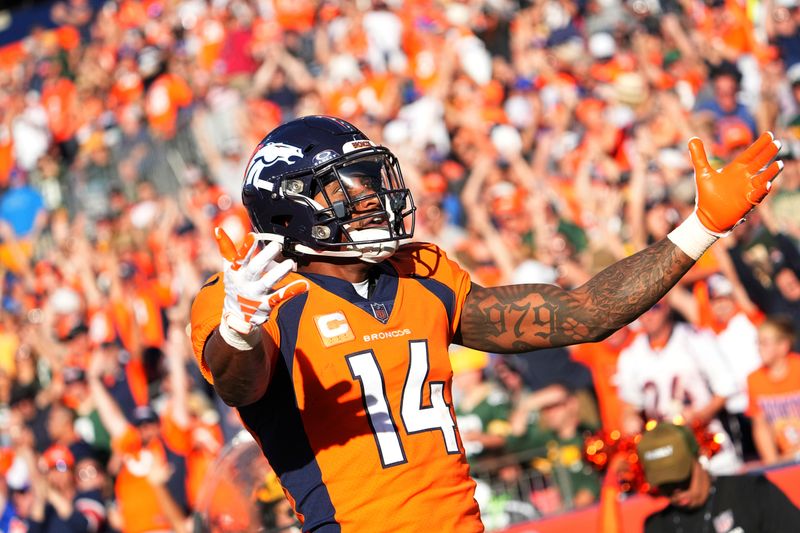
(415, 417)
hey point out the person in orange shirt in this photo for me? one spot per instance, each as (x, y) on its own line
(727, 29)
(145, 448)
(164, 99)
(6, 145)
(774, 391)
(294, 15)
(341, 370)
(128, 86)
(137, 302)
(60, 101)
(601, 359)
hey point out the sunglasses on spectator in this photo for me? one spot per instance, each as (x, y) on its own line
(668, 489)
(87, 472)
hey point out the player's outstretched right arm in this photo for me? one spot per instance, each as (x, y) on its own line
(236, 352)
(521, 318)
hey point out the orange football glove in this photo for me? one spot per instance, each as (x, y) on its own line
(725, 196)
(228, 250)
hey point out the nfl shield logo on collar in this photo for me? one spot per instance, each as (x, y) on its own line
(379, 311)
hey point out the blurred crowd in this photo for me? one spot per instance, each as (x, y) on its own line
(542, 139)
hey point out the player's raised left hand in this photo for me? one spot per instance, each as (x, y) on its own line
(249, 276)
(727, 195)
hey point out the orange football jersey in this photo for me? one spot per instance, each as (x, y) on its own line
(357, 420)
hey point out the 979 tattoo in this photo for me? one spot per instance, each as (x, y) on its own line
(519, 318)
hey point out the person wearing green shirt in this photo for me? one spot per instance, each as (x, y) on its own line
(556, 439)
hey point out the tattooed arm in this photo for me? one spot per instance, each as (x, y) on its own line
(521, 318)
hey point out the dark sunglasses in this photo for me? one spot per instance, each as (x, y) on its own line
(668, 489)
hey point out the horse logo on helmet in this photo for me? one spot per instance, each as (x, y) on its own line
(268, 155)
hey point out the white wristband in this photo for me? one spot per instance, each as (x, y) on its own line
(692, 237)
(242, 342)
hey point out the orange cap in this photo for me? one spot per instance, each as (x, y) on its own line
(586, 107)
(434, 182)
(733, 134)
(59, 457)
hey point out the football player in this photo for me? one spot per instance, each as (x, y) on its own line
(332, 339)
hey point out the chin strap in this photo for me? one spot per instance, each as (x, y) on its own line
(370, 253)
(373, 252)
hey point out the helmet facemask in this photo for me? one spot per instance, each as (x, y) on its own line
(360, 206)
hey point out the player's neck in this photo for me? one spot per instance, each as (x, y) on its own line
(353, 272)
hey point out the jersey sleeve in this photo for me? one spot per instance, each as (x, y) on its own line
(429, 262)
(205, 317)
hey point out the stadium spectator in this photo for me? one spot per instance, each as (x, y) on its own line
(601, 359)
(22, 218)
(61, 427)
(720, 306)
(773, 285)
(21, 495)
(672, 371)
(558, 437)
(86, 422)
(509, 377)
(782, 24)
(58, 505)
(699, 500)
(123, 376)
(481, 406)
(150, 486)
(774, 391)
(724, 108)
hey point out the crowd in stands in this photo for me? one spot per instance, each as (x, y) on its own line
(542, 140)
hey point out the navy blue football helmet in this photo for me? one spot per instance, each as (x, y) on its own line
(319, 186)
